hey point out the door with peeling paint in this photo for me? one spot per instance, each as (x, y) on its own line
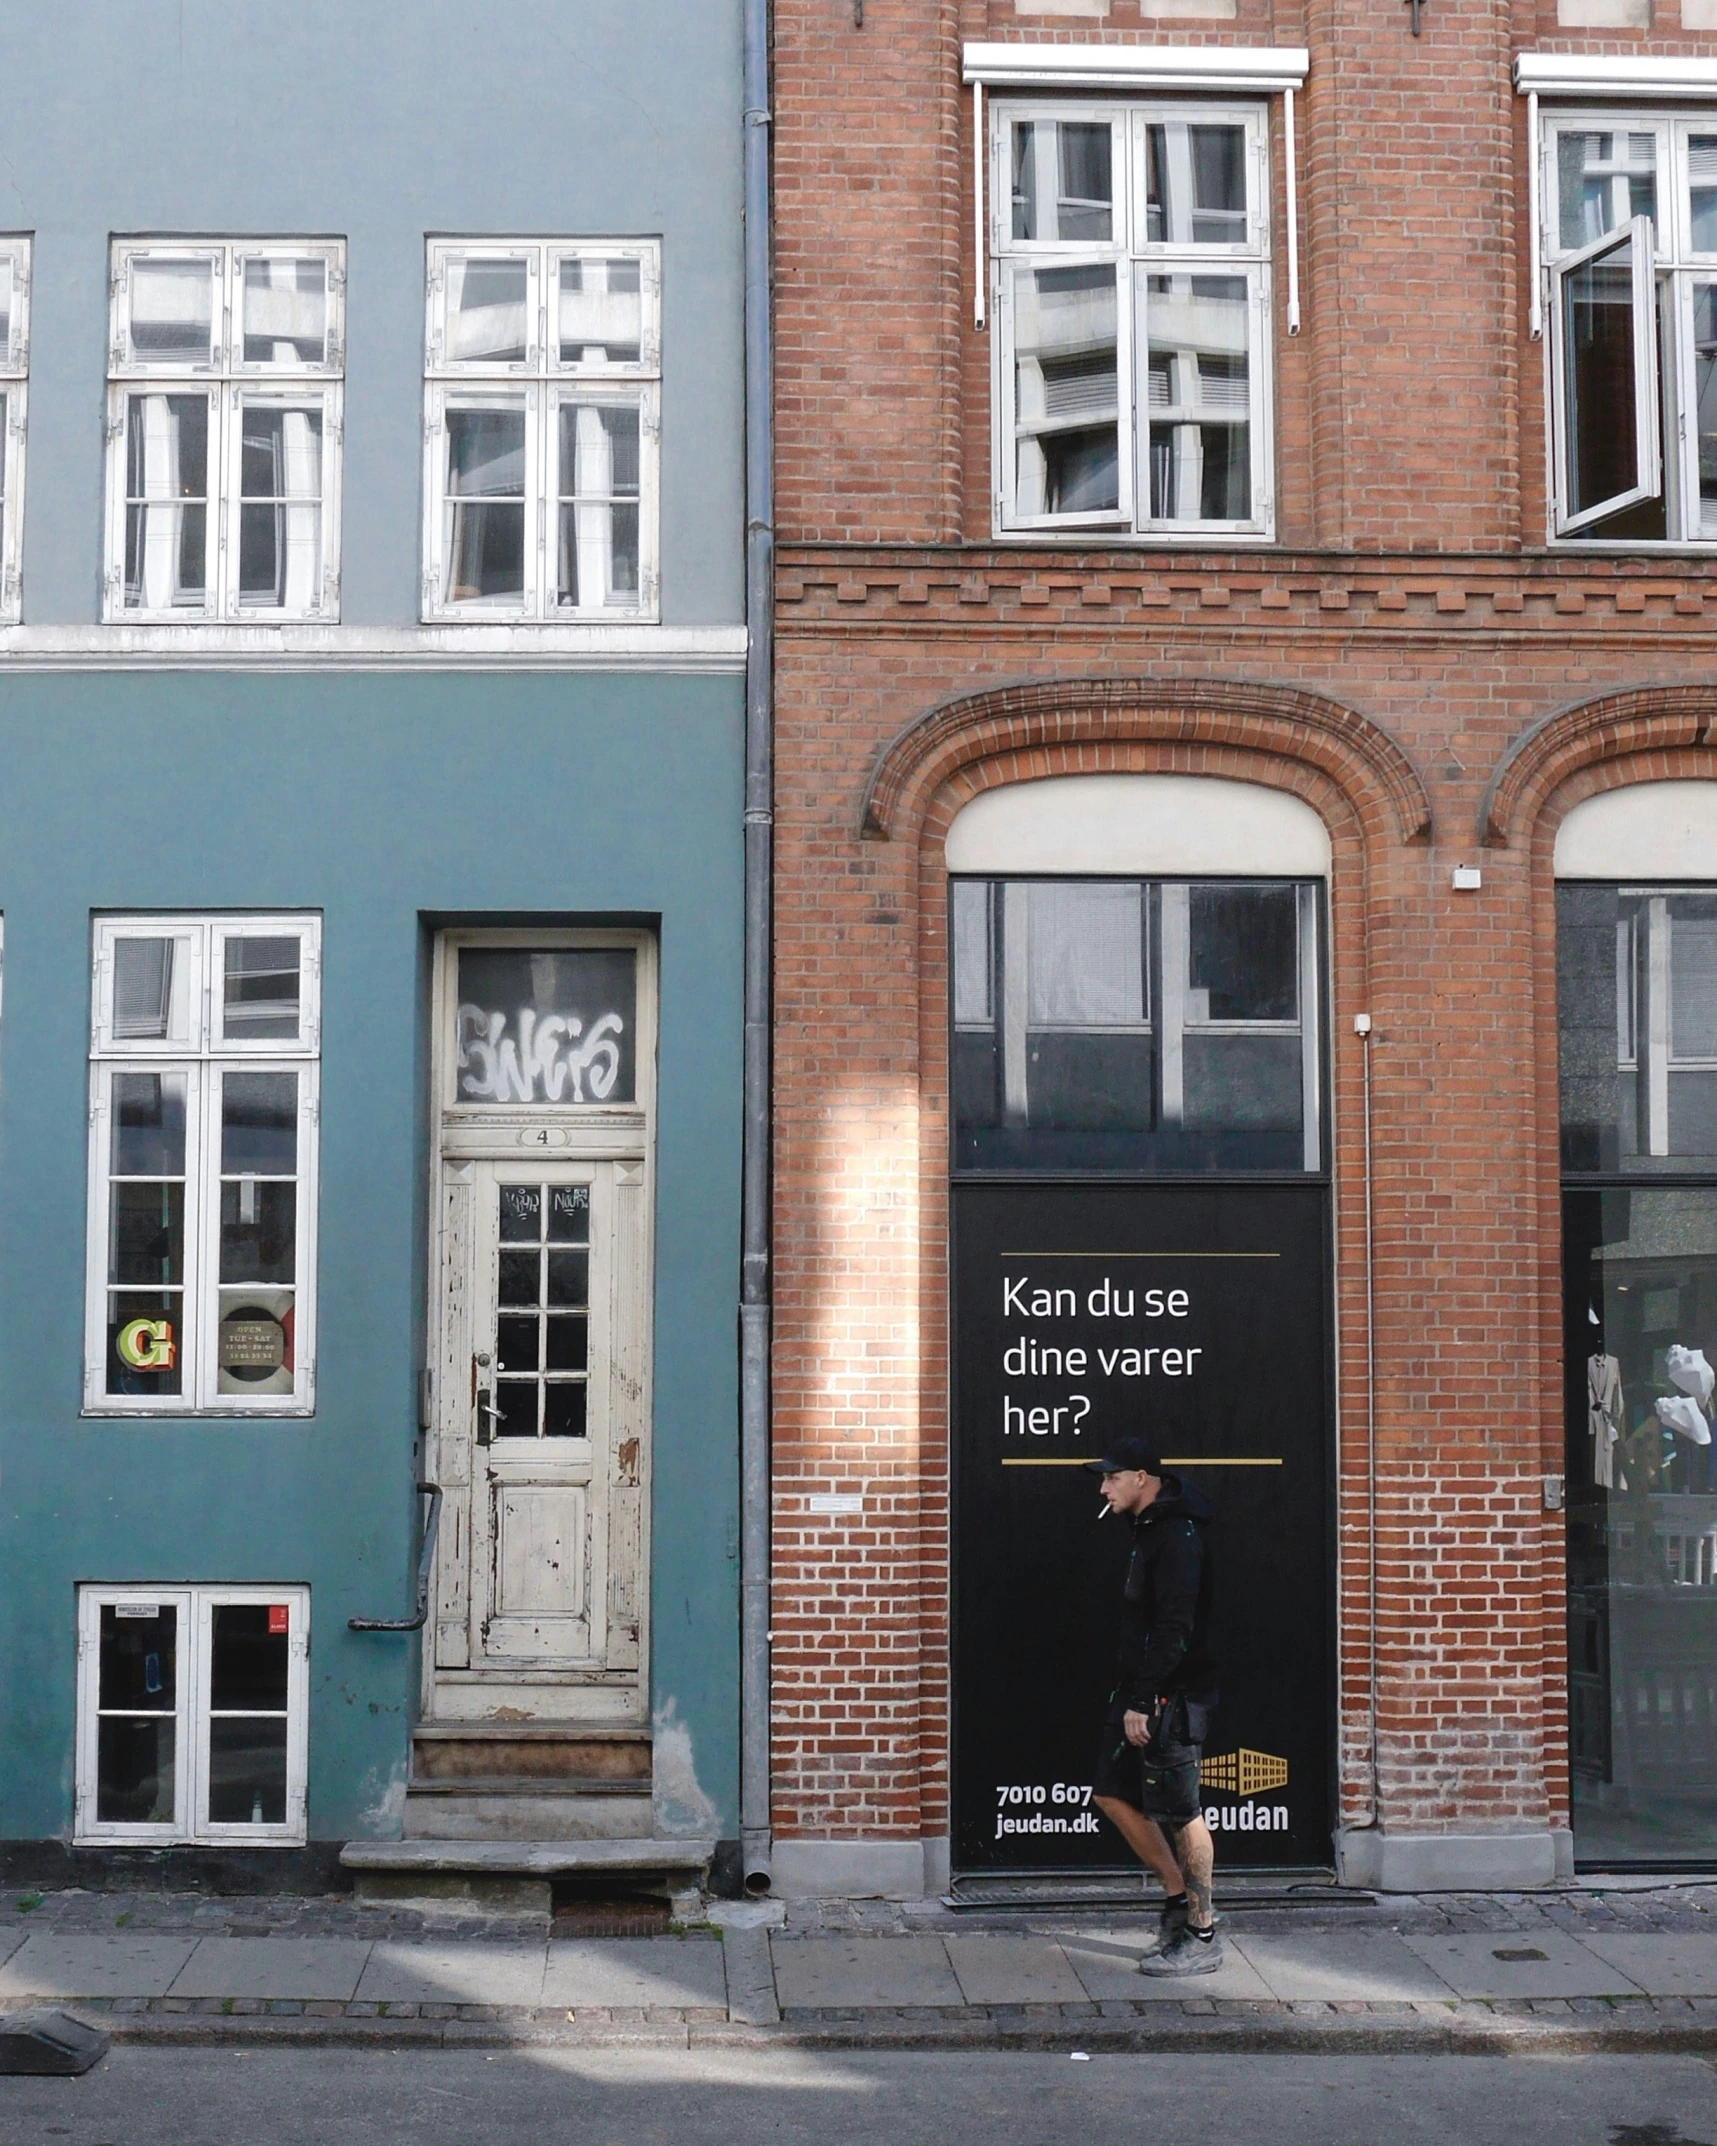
(541, 1374)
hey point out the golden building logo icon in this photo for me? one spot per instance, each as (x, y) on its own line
(1244, 1773)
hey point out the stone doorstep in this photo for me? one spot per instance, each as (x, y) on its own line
(537, 1859)
(501, 1877)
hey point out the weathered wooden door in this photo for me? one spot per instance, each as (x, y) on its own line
(540, 1326)
(542, 1429)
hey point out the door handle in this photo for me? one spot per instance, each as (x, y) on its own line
(488, 1415)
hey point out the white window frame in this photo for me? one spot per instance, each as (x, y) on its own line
(15, 388)
(196, 1049)
(545, 383)
(1665, 275)
(230, 382)
(1136, 259)
(191, 1714)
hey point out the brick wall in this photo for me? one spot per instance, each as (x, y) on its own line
(1411, 593)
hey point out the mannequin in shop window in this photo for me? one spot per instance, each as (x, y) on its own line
(1687, 1414)
(1603, 1419)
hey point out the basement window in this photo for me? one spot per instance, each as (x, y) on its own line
(1630, 246)
(192, 1714)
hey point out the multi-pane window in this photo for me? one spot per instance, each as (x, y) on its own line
(192, 1713)
(1131, 261)
(14, 378)
(542, 1323)
(223, 425)
(1630, 242)
(1126, 1024)
(202, 1208)
(541, 430)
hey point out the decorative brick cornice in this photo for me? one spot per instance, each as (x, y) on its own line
(824, 589)
(1356, 753)
(1613, 726)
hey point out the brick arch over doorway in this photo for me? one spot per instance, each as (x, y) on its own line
(1646, 734)
(1301, 730)
(1369, 797)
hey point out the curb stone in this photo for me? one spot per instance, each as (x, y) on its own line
(1627, 2026)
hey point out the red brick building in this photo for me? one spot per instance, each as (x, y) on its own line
(1247, 509)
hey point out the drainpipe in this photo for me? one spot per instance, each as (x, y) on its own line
(754, 1305)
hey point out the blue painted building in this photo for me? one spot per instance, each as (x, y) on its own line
(372, 645)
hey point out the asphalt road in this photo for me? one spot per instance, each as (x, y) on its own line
(310, 2097)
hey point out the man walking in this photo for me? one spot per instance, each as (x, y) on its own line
(1147, 1780)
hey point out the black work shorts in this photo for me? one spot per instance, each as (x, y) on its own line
(1160, 1781)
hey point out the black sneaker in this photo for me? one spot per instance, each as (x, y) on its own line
(1171, 1919)
(1185, 1953)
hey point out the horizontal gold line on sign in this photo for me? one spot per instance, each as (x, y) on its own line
(1138, 1255)
(1170, 1460)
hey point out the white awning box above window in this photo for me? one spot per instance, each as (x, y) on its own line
(1578, 74)
(1260, 69)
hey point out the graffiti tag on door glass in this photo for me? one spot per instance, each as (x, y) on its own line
(548, 1025)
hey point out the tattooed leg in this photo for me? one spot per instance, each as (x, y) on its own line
(1195, 1851)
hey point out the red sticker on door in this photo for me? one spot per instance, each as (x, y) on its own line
(279, 1618)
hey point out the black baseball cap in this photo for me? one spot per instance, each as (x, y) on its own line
(1127, 1452)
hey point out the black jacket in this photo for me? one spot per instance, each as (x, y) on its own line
(1165, 1606)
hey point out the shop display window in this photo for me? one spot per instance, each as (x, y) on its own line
(202, 1179)
(1638, 1020)
(192, 1706)
(1127, 1024)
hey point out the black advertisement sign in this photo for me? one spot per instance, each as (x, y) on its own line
(1197, 1316)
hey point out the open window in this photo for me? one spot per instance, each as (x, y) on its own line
(1608, 444)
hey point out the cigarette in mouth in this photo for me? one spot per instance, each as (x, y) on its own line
(1104, 1510)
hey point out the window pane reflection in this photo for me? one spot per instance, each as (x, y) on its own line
(1066, 391)
(1126, 1024)
(1637, 998)
(1603, 181)
(1641, 1323)
(1063, 181)
(1198, 397)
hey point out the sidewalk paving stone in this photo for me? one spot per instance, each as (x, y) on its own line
(823, 1972)
(1107, 1963)
(115, 1966)
(1662, 1965)
(1541, 1963)
(305, 1967)
(454, 1974)
(1014, 1970)
(639, 1971)
(1371, 1966)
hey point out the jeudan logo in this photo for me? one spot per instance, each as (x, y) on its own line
(1246, 1774)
